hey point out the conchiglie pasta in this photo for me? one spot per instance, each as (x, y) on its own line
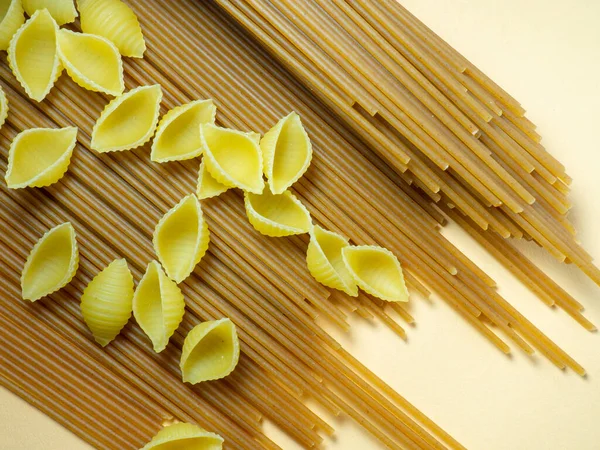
(40, 156)
(63, 11)
(211, 351)
(178, 133)
(106, 303)
(184, 436)
(158, 306)
(3, 107)
(277, 214)
(181, 238)
(93, 62)
(51, 264)
(207, 186)
(128, 121)
(33, 55)
(376, 271)
(11, 19)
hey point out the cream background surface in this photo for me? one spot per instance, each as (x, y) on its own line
(547, 54)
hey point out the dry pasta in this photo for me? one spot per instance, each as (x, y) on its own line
(3, 107)
(40, 156)
(277, 214)
(63, 11)
(207, 186)
(51, 264)
(11, 19)
(184, 436)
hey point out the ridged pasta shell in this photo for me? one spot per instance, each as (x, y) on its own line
(33, 55)
(211, 351)
(233, 158)
(207, 186)
(40, 156)
(63, 11)
(376, 271)
(178, 133)
(115, 21)
(158, 306)
(106, 303)
(277, 215)
(128, 121)
(51, 264)
(11, 19)
(325, 261)
(181, 238)
(287, 152)
(3, 107)
(184, 436)
(93, 62)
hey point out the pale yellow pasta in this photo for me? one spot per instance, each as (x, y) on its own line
(211, 351)
(11, 19)
(287, 152)
(184, 436)
(232, 157)
(207, 186)
(63, 11)
(128, 121)
(106, 303)
(93, 62)
(115, 21)
(178, 133)
(33, 55)
(277, 214)
(181, 238)
(325, 262)
(376, 271)
(3, 107)
(158, 306)
(40, 156)
(51, 264)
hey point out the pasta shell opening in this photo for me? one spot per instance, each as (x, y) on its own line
(211, 351)
(40, 156)
(51, 264)
(376, 271)
(93, 62)
(3, 107)
(181, 238)
(158, 306)
(233, 158)
(184, 436)
(287, 152)
(11, 19)
(277, 215)
(178, 133)
(208, 187)
(63, 11)
(128, 121)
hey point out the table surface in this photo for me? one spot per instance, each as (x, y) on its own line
(547, 54)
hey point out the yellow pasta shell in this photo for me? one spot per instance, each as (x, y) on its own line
(40, 156)
(128, 121)
(115, 21)
(287, 152)
(51, 264)
(277, 215)
(158, 306)
(325, 261)
(208, 187)
(181, 238)
(184, 436)
(93, 62)
(3, 107)
(11, 19)
(63, 11)
(211, 351)
(232, 157)
(106, 302)
(376, 271)
(33, 55)
(178, 133)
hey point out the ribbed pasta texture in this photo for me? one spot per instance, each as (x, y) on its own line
(184, 436)
(11, 19)
(277, 215)
(63, 11)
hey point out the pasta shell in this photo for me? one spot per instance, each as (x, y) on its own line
(33, 55)
(52, 263)
(325, 262)
(128, 121)
(115, 21)
(3, 107)
(178, 136)
(208, 187)
(184, 436)
(287, 152)
(158, 306)
(40, 156)
(233, 158)
(106, 302)
(376, 271)
(93, 62)
(277, 215)
(11, 19)
(181, 238)
(63, 11)
(211, 351)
